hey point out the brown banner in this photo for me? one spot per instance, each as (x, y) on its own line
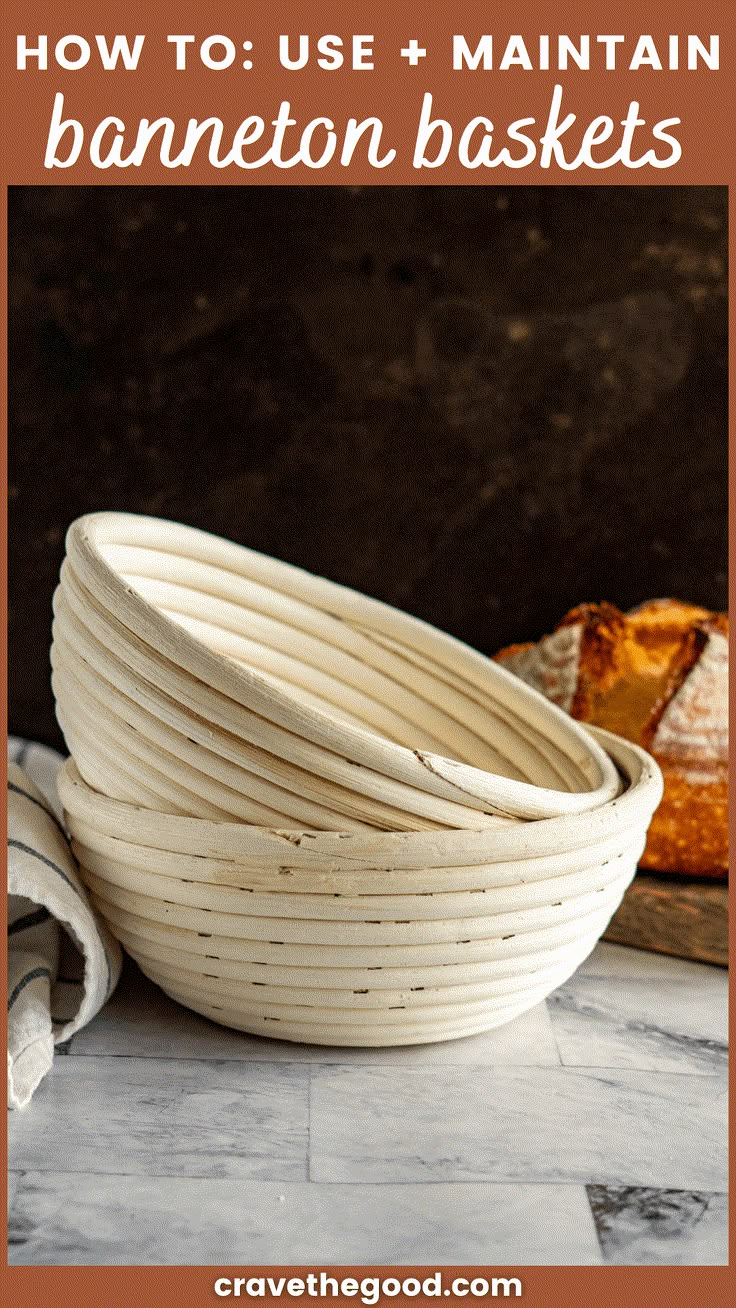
(558, 1287)
(378, 99)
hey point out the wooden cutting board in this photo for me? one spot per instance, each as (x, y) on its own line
(674, 915)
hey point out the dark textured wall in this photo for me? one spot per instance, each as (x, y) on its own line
(481, 404)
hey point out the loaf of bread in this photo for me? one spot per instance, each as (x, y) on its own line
(657, 675)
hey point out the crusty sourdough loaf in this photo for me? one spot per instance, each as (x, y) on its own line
(658, 676)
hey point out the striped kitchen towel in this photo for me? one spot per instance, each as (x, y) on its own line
(62, 961)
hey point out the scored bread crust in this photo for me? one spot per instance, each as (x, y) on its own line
(657, 675)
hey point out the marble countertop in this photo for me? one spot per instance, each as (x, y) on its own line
(591, 1130)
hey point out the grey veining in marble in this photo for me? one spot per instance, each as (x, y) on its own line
(165, 1138)
(637, 1225)
(215, 1222)
(142, 1021)
(13, 1178)
(615, 1022)
(524, 1124)
(159, 1116)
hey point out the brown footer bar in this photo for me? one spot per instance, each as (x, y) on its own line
(182, 1287)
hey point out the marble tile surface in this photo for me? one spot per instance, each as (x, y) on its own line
(142, 1021)
(524, 1124)
(221, 1222)
(619, 1022)
(637, 1225)
(162, 1137)
(159, 1116)
(13, 1179)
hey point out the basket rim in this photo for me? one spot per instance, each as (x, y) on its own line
(405, 849)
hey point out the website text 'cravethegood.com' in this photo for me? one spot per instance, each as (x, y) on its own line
(369, 1289)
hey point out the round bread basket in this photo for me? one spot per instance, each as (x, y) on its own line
(201, 678)
(362, 938)
(310, 816)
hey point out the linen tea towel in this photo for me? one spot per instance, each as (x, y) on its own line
(62, 961)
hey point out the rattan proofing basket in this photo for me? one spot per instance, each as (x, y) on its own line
(365, 937)
(199, 678)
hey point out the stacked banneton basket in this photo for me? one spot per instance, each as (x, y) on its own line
(310, 816)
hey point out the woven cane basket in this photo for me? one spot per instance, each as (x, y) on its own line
(309, 816)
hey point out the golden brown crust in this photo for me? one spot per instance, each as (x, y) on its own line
(658, 676)
(689, 831)
(511, 650)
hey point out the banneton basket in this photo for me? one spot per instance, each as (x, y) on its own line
(194, 676)
(364, 937)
